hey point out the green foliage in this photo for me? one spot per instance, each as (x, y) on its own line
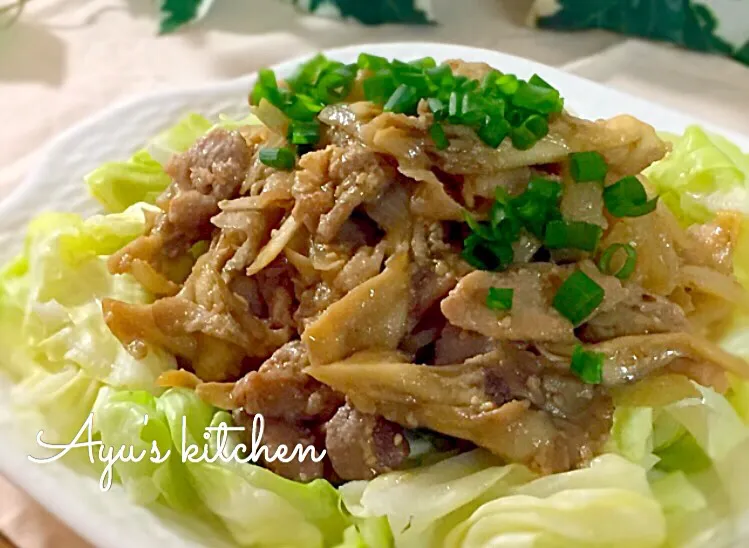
(375, 12)
(177, 13)
(678, 21)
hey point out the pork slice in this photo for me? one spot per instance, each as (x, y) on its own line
(215, 165)
(641, 313)
(331, 183)
(209, 171)
(456, 345)
(532, 316)
(280, 435)
(509, 403)
(280, 389)
(361, 446)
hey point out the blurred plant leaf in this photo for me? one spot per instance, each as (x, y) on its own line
(684, 22)
(372, 12)
(176, 13)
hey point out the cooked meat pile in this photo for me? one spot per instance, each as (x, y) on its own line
(335, 299)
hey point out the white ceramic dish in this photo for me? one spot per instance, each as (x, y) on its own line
(109, 519)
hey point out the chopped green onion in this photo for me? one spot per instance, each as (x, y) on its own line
(334, 85)
(482, 229)
(522, 139)
(437, 133)
(537, 125)
(536, 80)
(486, 106)
(587, 365)
(424, 63)
(561, 234)
(308, 73)
(419, 81)
(536, 208)
(279, 158)
(578, 297)
(545, 188)
(441, 76)
(399, 67)
(626, 270)
(499, 298)
(453, 107)
(486, 254)
(489, 81)
(536, 98)
(588, 167)
(472, 109)
(304, 133)
(572, 235)
(372, 62)
(379, 87)
(468, 85)
(534, 128)
(505, 224)
(266, 88)
(494, 130)
(403, 100)
(627, 198)
(438, 108)
(302, 107)
(508, 84)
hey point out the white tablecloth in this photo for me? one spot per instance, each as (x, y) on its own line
(65, 59)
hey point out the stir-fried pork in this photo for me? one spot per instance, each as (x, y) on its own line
(337, 298)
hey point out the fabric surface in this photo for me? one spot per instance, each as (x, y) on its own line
(66, 59)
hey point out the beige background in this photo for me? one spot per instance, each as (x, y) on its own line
(65, 59)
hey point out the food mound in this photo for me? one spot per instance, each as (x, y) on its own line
(404, 248)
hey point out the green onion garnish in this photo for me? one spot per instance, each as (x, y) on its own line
(279, 158)
(587, 365)
(438, 108)
(626, 270)
(494, 130)
(379, 87)
(545, 188)
(536, 80)
(372, 62)
(578, 297)
(534, 128)
(627, 198)
(499, 298)
(508, 84)
(536, 98)
(486, 254)
(588, 167)
(424, 63)
(403, 100)
(308, 73)
(304, 133)
(482, 230)
(499, 106)
(573, 235)
(437, 133)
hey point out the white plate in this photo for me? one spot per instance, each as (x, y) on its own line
(109, 519)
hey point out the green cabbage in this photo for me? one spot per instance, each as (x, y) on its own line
(702, 174)
(472, 500)
(55, 341)
(255, 506)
